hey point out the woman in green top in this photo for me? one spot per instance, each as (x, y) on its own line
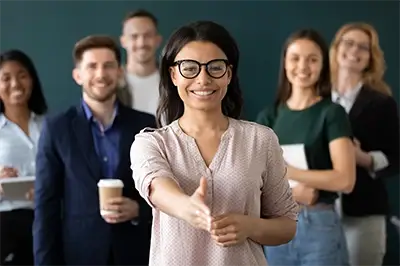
(304, 114)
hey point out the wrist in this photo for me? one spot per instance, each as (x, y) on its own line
(371, 162)
(183, 207)
(253, 226)
(366, 160)
(294, 173)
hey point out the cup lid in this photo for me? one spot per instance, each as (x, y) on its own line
(110, 183)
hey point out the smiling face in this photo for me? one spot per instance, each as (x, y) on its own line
(201, 86)
(15, 84)
(303, 63)
(140, 39)
(98, 73)
(353, 52)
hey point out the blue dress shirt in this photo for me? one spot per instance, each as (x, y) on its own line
(106, 142)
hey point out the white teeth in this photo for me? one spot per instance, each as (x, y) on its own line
(17, 92)
(203, 93)
(301, 76)
(352, 58)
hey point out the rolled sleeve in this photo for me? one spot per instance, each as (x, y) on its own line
(380, 162)
(277, 200)
(148, 162)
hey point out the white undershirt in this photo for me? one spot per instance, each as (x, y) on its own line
(144, 91)
(347, 101)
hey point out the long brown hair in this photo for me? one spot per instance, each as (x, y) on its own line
(375, 71)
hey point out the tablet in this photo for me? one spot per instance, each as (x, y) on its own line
(16, 188)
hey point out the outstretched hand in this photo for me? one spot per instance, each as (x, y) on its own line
(196, 211)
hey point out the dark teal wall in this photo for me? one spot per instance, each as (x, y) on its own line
(47, 31)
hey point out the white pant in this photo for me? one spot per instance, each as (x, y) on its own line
(366, 239)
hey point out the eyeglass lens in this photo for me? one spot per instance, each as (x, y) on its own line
(350, 43)
(191, 68)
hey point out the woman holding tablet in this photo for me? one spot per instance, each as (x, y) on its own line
(22, 105)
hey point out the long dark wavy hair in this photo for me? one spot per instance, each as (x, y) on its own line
(323, 85)
(170, 105)
(37, 102)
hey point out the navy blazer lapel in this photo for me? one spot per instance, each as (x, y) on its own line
(85, 142)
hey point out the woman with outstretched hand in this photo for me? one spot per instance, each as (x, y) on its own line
(216, 183)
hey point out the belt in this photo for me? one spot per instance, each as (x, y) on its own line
(318, 206)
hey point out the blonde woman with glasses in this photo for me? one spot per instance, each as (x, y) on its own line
(358, 67)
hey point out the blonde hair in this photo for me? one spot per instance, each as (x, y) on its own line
(373, 74)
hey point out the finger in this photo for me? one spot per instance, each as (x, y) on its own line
(115, 201)
(115, 208)
(220, 217)
(11, 170)
(206, 218)
(8, 173)
(110, 220)
(113, 216)
(202, 223)
(222, 223)
(227, 244)
(203, 208)
(202, 189)
(224, 231)
(225, 238)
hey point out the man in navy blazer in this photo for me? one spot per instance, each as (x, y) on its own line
(79, 147)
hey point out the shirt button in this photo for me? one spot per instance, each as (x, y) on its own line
(105, 159)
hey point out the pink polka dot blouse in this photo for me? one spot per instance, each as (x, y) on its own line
(246, 176)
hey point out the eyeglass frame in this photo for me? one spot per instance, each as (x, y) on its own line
(350, 43)
(179, 62)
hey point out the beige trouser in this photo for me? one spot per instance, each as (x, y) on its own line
(365, 237)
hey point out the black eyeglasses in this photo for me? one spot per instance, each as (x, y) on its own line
(361, 46)
(190, 68)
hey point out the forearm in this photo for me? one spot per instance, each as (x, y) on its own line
(365, 160)
(167, 196)
(272, 232)
(329, 180)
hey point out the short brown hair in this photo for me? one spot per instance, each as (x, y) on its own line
(141, 13)
(93, 42)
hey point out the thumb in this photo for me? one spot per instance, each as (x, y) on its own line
(202, 189)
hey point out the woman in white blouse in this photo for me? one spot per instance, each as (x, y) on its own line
(22, 105)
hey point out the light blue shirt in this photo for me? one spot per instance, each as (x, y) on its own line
(18, 150)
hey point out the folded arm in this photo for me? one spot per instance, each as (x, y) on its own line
(339, 179)
(386, 158)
